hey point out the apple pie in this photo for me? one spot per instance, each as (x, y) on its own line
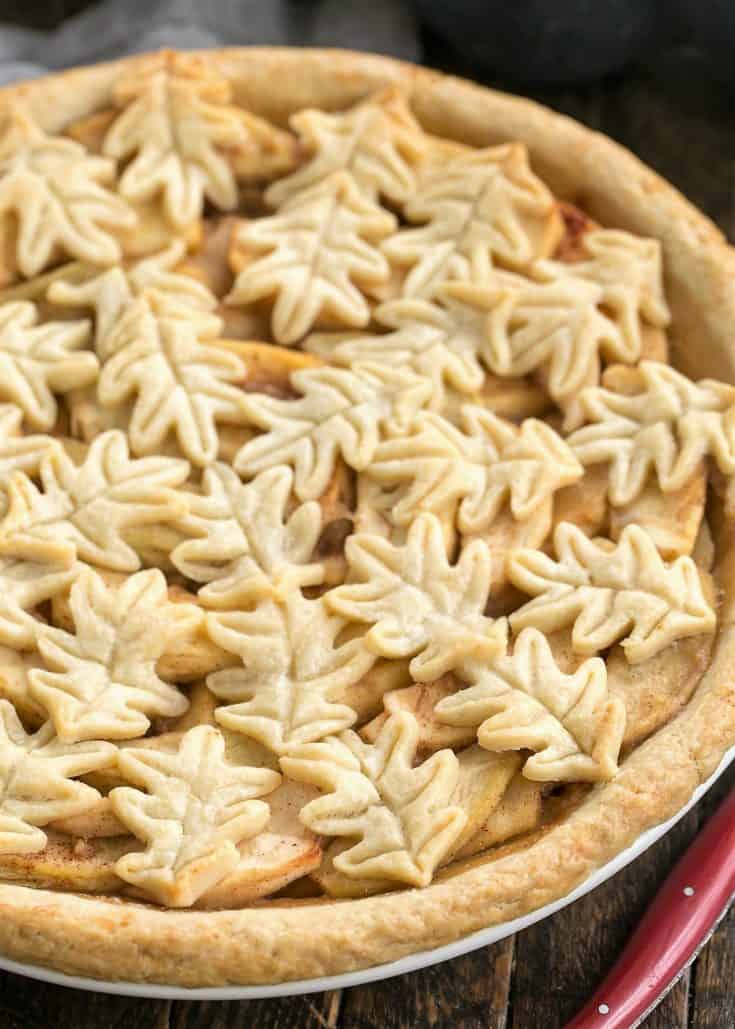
(367, 463)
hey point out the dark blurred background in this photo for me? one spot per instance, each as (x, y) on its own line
(657, 75)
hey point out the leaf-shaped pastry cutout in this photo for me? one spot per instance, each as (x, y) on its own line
(243, 545)
(180, 384)
(36, 781)
(181, 137)
(473, 473)
(323, 243)
(136, 308)
(23, 585)
(610, 592)
(196, 810)
(167, 292)
(557, 327)
(660, 423)
(321, 254)
(481, 784)
(189, 654)
(420, 605)
(58, 193)
(523, 701)
(36, 289)
(15, 687)
(629, 271)
(479, 790)
(341, 413)
(102, 681)
(378, 142)
(403, 816)
(37, 361)
(433, 342)
(293, 669)
(478, 204)
(86, 509)
(479, 793)
(18, 452)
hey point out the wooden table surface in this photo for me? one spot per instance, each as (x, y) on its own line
(681, 122)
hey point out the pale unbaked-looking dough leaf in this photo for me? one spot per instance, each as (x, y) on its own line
(556, 327)
(610, 592)
(403, 818)
(167, 292)
(523, 701)
(472, 474)
(85, 509)
(322, 247)
(181, 136)
(377, 142)
(628, 268)
(24, 584)
(197, 808)
(101, 681)
(476, 205)
(321, 252)
(293, 669)
(666, 426)
(178, 384)
(19, 452)
(440, 343)
(38, 361)
(242, 543)
(340, 413)
(59, 194)
(418, 604)
(36, 781)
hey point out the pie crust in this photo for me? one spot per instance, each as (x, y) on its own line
(674, 742)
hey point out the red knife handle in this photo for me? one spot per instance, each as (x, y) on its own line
(681, 917)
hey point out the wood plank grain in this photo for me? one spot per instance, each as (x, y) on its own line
(10, 1021)
(560, 961)
(673, 1011)
(713, 995)
(313, 1011)
(712, 1002)
(36, 1005)
(470, 992)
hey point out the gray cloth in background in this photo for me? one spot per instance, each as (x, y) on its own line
(115, 27)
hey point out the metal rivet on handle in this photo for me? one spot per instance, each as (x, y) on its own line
(689, 891)
(604, 1009)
